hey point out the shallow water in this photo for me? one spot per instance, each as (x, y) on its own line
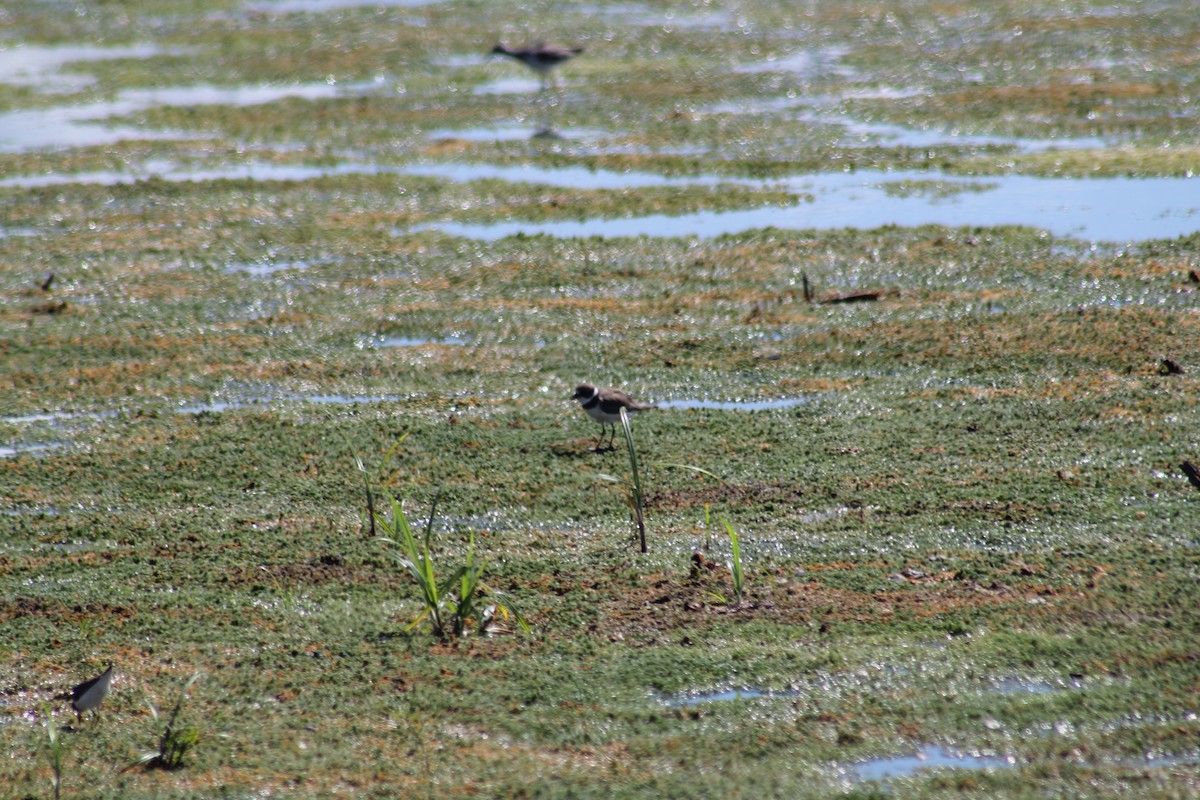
(217, 406)
(863, 132)
(40, 66)
(566, 177)
(927, 757)
(721, 696)
(1014, 685)
(508, 86)
(824, 110)
(83, 125)
(405, 341)
(168, 171)
(12, 451)
(1097, 209)
(265, 267)
(322, 6)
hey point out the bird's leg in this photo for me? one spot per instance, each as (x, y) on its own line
(596, 446)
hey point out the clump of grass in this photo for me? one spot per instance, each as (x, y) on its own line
(174, 743)
(736, 569)
(453, 602)
(735, 562)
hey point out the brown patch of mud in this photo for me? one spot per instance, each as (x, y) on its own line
(59, 612)
(314, 572)
(663, 604)
(712, 493)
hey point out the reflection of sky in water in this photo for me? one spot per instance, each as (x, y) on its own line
(321, 6)
(508, 86)
(168, 171)
(218, 406)
(928, 757)
(12, 451)
(565, 177)
(722, 696)
(78, 126)
(1097, 209)
(823, 111)
(860, 132)
(40, 66)
(805, 63)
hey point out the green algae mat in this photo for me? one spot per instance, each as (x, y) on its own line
(914, 287)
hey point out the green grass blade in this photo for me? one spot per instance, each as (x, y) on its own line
(735, 561)
(693, 468)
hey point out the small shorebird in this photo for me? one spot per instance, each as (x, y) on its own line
(88, 695)
(604, 406)
(541, 58)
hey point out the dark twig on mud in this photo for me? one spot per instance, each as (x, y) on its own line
(853, 297)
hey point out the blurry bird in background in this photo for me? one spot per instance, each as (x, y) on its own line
(88, 695)
(539, 57)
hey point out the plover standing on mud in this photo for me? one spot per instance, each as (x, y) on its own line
(604, 406)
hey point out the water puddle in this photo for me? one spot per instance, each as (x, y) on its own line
(822, 111)
(735, 405)
(580, 178)
(322, 6)
(804, 63)
(508, 86)
(927, 757)
(166, 171)
(1098, 209)
(568, 177)
(265, 267)
(56, 417)
(405, 341)
(1016, 685)
(29, 511)
(82, 125)
(859, 132)
(66, 127)
(12, 451)
(40, 66)
(723, 696)
(217, 406)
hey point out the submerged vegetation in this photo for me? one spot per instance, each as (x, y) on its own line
(962, 549)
